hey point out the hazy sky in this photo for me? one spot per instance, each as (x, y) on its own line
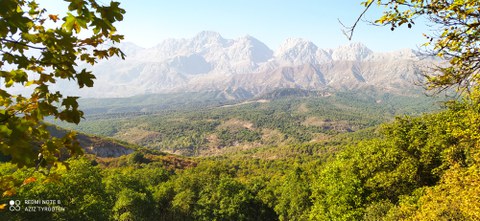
(148, 22)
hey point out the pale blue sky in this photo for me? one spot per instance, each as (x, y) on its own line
(148, 22)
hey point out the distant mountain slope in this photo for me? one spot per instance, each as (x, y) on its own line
(246, 67)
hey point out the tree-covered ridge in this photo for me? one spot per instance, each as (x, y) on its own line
(415, 168)
(215, 128)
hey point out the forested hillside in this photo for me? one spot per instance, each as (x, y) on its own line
(289, 154)
(415, 168)
(279, 118)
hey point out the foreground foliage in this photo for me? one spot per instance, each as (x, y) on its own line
(415, 168)
(37, 50)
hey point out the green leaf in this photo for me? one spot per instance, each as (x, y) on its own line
(70, 23)
(5, 131)
(85, 78)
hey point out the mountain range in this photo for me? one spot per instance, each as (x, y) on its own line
(245, 67)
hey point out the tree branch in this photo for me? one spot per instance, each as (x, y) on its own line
(20, 43)
(348, 31)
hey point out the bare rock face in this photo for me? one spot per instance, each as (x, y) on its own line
(247, 67)
(102, 148)
(95, 145)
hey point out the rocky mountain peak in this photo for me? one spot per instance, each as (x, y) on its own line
(297, 51)
(208, 62)
(208, 38)
(250, 48)
(352, 52)
(298, 44)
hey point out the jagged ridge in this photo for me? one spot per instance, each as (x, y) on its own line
(247, 67)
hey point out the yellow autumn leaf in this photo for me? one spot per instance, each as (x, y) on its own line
(60, 166)
(29, 83)
(3, 206)
(8, 193)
